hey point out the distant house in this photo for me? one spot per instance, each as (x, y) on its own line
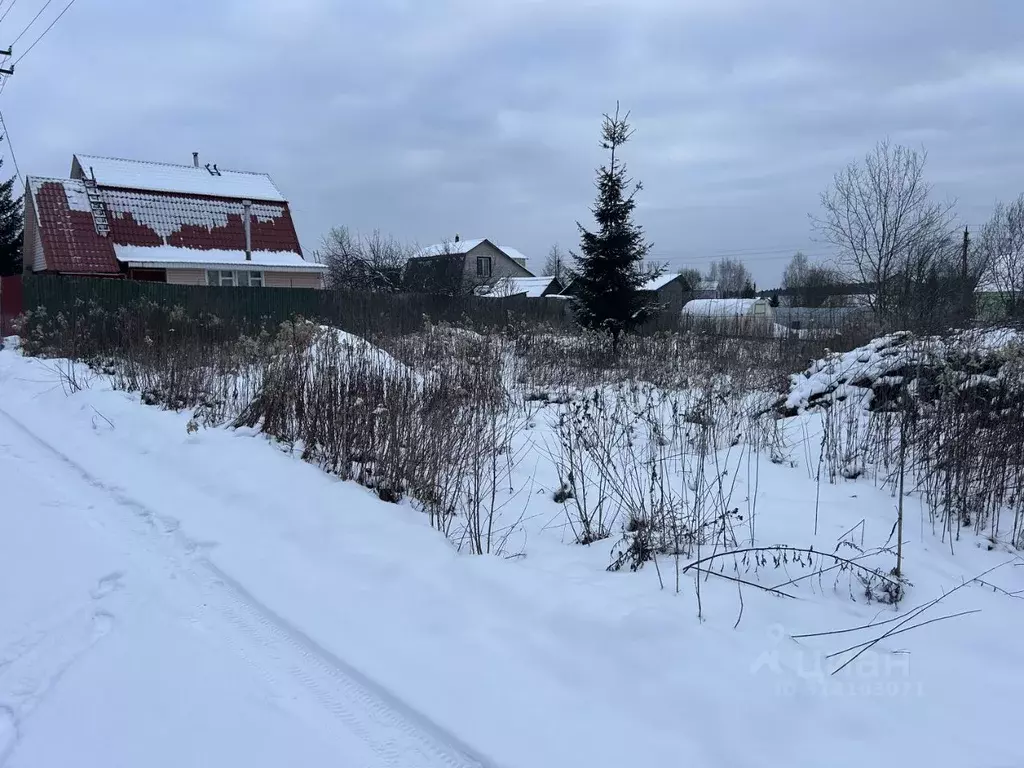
(671, 289)
(729, 310)
(531, 287)
(462, 265)
(995, 305)
(159, 222)
(706, 289)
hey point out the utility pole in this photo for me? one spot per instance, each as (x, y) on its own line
(5, 70)
(967, 298)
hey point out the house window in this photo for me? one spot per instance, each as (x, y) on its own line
(225, 277)
(483, 266)
(220, 277)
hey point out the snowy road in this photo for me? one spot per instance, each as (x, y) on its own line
(126, 584)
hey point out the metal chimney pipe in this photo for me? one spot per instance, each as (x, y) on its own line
(247, 205)
(195, 159)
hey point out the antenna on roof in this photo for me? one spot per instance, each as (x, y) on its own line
(216, 170)
(207, 166)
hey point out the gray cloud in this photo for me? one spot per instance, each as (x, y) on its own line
(424, 119)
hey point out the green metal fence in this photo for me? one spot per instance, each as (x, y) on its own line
(362, 313)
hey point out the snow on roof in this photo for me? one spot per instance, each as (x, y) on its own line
(720, 307)
(453, 248)
(532, 287)
(512, 253)
(167, 215)
(450, 248)
(171, 256)
(67, 238)
(74, 191)
(659, 282)
(183, 179)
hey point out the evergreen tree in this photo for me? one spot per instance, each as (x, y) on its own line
(11, 228)
(609, 268)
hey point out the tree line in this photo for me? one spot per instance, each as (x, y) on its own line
(904, 250)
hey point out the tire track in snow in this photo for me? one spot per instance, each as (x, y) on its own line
(396, 733)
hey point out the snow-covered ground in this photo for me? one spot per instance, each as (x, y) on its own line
(170, 597)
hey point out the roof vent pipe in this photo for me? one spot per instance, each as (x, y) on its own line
(247, 205)
(195, 159)
(456, 237)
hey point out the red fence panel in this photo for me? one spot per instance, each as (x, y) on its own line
(11, 303)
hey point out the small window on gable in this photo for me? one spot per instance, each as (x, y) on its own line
(483, 266)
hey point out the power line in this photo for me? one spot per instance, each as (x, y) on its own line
(9, 8)
(746, 255)
(3, 124)
(29, 25)
(36, 41)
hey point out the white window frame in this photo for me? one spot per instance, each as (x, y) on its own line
(231, 278)
(220, 277)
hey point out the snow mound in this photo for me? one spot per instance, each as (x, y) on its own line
(875, 372)
(325, 344)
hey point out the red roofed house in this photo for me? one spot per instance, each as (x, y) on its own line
(183, 224)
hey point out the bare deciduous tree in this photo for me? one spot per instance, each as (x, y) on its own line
(891, 235)
(555, 265)
(807, 284)
(1000, 248)
(363, 263)
(732, 276)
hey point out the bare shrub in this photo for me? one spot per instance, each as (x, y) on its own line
(662, 463)
(943, 418)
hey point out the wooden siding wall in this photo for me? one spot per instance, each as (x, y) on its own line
(32, 259)
(293, 280)
(186, 276)
(270, 279)
(501, 265)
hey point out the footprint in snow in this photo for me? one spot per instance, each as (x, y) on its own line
(102, 623)
(109, 583)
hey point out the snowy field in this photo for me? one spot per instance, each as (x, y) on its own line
(173, 596)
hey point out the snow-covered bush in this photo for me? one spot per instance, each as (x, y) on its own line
(943, 416)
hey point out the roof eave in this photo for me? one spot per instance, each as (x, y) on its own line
(247, 265)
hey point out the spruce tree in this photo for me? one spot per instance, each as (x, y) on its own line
(12, 223)
(609, 268)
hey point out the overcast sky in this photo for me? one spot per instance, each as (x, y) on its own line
(429, 117)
